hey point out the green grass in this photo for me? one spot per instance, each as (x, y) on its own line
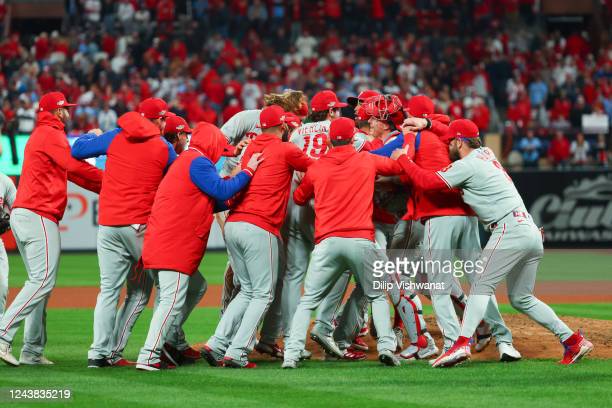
(81, 269)
(365, 384)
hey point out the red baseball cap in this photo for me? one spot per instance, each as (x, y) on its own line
(52, 101)
(361, 113)
(342, 129)
(153, 108)
(462, 129)
(271, 116)
(420, 106)
(176, 124)
(325, 100)
(292, 120)
(363, 95)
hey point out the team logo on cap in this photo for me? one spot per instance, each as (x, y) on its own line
(180, 127)
(60, 103)
(162, 113)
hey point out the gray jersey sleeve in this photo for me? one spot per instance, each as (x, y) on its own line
(240, 125)
(8, 191)
(457, 173)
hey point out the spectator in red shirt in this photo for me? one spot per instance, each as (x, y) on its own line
(559, 150)
(481, 115)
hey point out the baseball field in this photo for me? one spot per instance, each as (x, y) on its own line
(578, 284)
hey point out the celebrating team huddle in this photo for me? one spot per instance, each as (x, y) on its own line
(304, 207)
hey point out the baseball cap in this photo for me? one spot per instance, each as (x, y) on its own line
(325, 100)
(361, 113)
(176, 124)
(342, 129)
(363, 95)
(292, 120)
(52, 101)
(462, 129)
(153, 108)
(271, 116)
(420, 106)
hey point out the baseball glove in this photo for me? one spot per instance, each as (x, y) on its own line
(5, 223)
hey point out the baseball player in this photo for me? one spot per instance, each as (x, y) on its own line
(137, 159)
(386, 115)
(39, 206)
(313, 139)
(178, 230)
(240, 127)
(252, 234)
(344, 236)
(7, 198)
(514, 249)
(176, 350)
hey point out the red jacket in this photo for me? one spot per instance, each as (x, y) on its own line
(264, 201)
(432, 154)
(342, 183)
(47, 167)
(179, 225)
(136, 161)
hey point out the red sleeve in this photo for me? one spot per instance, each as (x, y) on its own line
(246, 156)
(439, 128)
(410, 140)
(420, 178)
(79, 172)
(386, 166)
(304, 192)
(296, 158)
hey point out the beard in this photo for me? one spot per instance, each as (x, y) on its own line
(453, 153)
(285, 137)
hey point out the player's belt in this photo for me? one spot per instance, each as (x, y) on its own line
(514, 213)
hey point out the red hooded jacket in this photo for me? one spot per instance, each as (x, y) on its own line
(264, 202)
(342, 183)
(47, 166)
(136, 161)
(179, 225)
(432, 154)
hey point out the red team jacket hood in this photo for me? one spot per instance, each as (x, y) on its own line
(209, 140)
(136, 127)
(49, 119)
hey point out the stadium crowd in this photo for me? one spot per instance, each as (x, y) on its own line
(212, 59)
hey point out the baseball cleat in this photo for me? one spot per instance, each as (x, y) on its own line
(289, 364)
(409, 353)
(482, 337)
(155, 367)
(327, 343)
(576, 347)
(213, 358)
(31, 359)
(6, 354)
(457, 354)
(388, 358)
(305, 355)
(170, 355)
(229, 362)
(98, 363)
(270, 349)
(430, 350)
(508, 353)
(191, 354)
(360, 344)
(350, 354)
(122, 362)
(364, 331)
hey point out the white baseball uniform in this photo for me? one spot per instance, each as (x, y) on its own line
(515, 247)
(7, 197)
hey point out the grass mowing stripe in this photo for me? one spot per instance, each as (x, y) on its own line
(81, 269)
